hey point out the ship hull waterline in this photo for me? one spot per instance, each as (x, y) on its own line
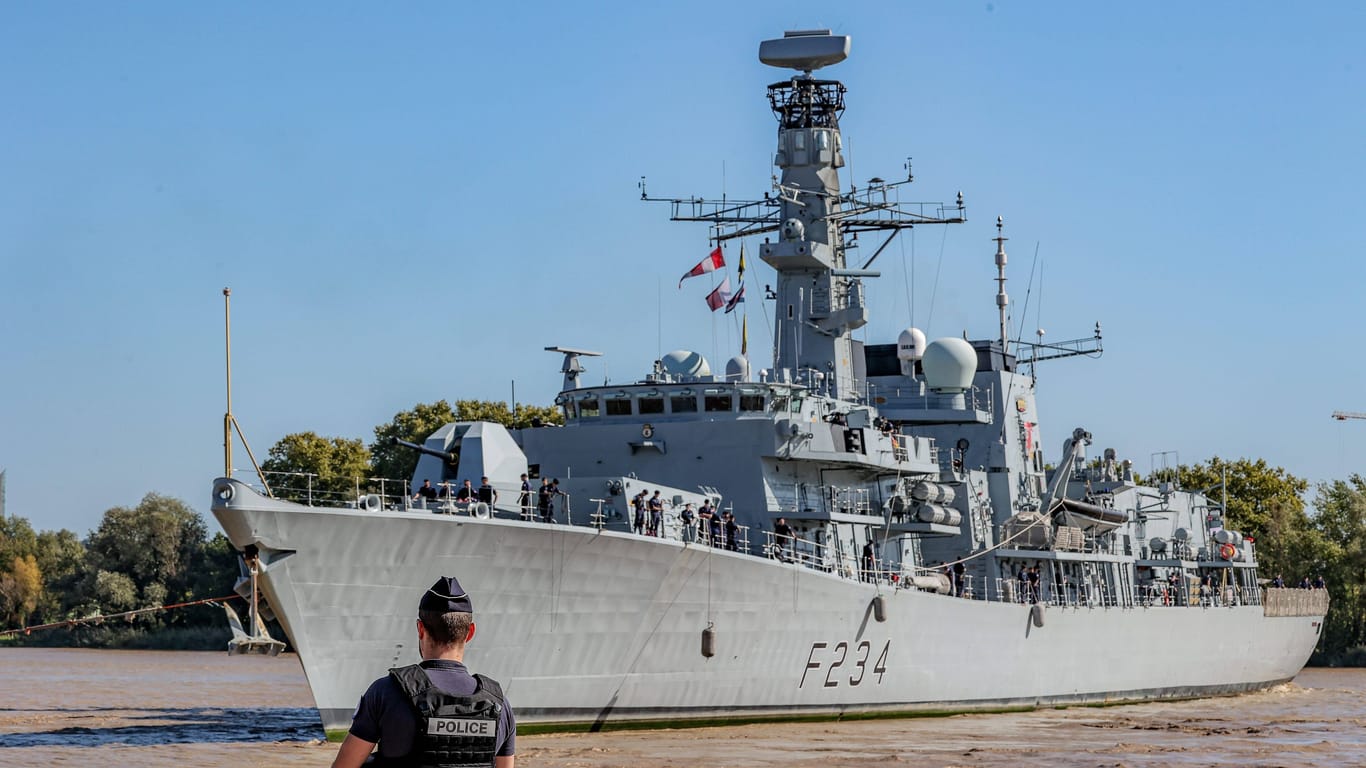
(598, 628)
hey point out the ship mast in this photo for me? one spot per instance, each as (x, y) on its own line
(1002, 300)
(809, 222)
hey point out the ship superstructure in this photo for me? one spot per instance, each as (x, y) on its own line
(901, 539)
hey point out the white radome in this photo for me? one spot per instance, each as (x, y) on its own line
(682, 362)
(949, 364)
(910, 345)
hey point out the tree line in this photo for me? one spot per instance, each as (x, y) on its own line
(156, 553)
(160, 551)
(339, 467)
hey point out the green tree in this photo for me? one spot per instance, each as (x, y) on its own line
(307, 467)
(1264, 502)
(112, 592)
(160, 541)
(218, 569)
(395, 462)
(61, 558)
(531, 415)
(17, 538)
(1340, 519)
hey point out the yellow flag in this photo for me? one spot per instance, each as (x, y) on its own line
(744, 335)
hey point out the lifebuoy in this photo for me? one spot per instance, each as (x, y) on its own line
(1227, 551)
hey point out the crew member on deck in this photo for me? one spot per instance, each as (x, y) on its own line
(426, 492)
(782, 538)
(656, 507)
(638, 512)
(486, 492)
(544, 496)
(468, 721)
(686, 518)
(465, 494)
(524, 501)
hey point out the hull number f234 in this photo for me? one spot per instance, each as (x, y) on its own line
(843, 664)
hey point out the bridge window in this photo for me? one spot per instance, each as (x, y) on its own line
(651, 405)
(618, 406)
(683, 403)
(751, 402)
(588, 408)
(718, 401)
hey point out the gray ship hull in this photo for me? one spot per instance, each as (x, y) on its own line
(598, 627)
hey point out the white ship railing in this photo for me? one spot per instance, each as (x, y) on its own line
(380, 494)
(365, 492)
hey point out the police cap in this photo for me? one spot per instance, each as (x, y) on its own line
(446, 596)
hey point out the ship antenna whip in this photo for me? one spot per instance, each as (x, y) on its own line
(230, 421)
(1024, 313)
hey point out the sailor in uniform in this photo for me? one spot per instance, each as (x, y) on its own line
(434, 713)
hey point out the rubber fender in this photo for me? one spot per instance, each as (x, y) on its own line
(1036, 614)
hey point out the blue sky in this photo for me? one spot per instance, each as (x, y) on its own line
(409, 201)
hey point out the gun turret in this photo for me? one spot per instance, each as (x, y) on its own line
(450, 457)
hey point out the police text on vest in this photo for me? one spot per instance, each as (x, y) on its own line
(450, 726)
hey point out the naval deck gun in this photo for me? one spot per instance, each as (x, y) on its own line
(449, 457)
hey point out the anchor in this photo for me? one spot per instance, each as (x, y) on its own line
(258, 642)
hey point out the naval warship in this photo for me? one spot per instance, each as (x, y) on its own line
(887, 532)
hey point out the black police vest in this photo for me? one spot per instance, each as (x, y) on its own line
(452, 731)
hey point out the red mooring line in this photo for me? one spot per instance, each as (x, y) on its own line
(124, 615)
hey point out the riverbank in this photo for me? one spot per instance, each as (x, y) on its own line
(124, 638)
(154, 708)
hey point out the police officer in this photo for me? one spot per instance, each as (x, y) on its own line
(434, 713)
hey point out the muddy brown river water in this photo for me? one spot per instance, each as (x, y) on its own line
(206, 710)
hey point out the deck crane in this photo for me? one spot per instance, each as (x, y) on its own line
(1345, 415)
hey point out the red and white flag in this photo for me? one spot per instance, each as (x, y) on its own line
(713, 262)
(718, 298)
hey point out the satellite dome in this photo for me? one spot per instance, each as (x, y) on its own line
(910, 345)
(949, 364)
(687, 364)
(737, 369)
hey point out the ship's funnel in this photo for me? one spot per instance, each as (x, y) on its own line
(805, 50)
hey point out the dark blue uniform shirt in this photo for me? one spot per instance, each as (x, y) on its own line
(385, 715)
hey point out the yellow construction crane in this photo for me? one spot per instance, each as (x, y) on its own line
(1345, 415)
